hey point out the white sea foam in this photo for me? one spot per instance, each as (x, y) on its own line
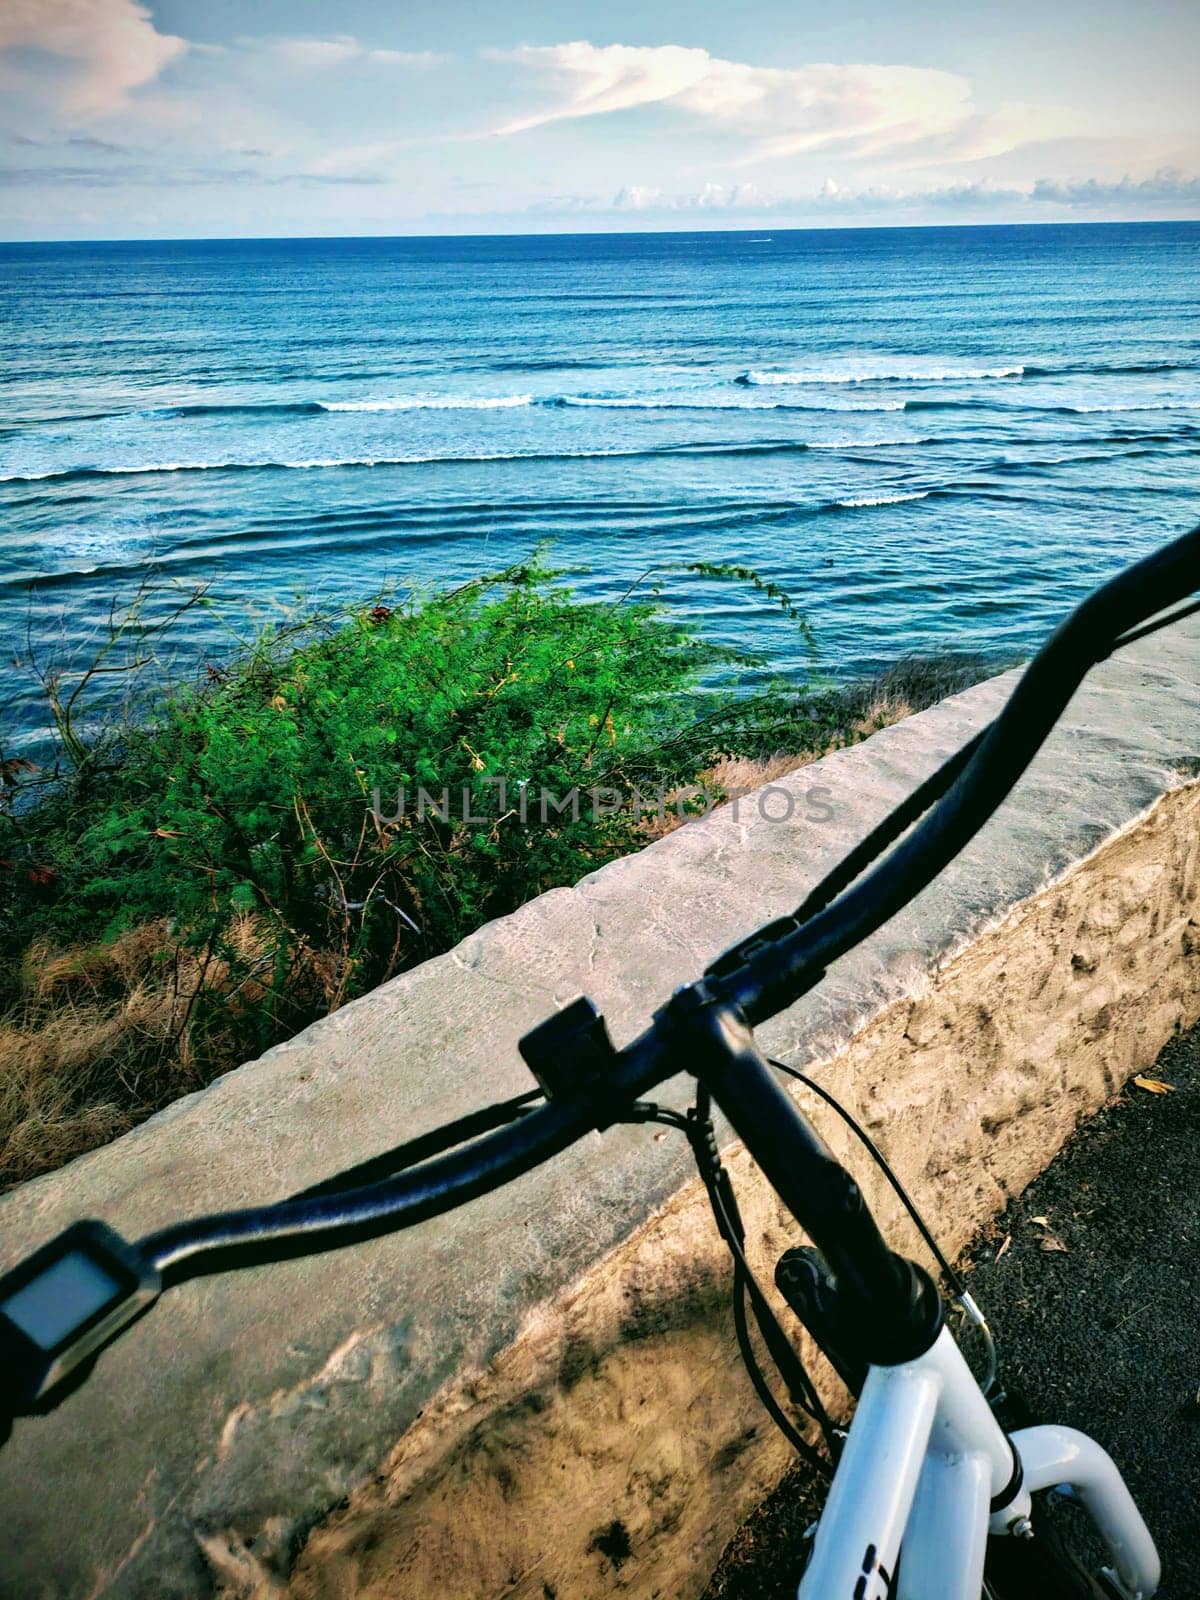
(118, 472)
(232, 466)
(628, 403)
(506, 402)
(863, 444)
(318, 463)
(881, 372)
(632, 403)
(883, 499)
(1152, 405)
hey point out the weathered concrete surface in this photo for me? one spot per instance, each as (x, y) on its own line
(499, 1418)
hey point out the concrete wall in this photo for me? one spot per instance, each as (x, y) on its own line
(538, 1395)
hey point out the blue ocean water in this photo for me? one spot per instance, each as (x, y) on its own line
(929, 436)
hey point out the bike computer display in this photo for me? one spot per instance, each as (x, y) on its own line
(61, 1300)
(64, 1304)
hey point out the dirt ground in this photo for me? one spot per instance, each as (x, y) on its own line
(1096, 1309)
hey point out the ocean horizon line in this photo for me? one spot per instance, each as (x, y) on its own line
(716, 230)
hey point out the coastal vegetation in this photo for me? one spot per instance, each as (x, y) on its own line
(344, 795)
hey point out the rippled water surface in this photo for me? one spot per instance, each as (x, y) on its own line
(930, 436)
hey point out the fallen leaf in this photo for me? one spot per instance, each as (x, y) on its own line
(1004, 1246)
(1153, 1085)
(1041, 1222)
(1051, 1241)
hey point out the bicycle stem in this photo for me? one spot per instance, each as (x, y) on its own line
(889, 1309)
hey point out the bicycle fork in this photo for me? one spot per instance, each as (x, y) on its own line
(927, 1462)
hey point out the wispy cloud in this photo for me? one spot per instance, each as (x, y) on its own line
(75, 142)
(357, 160)
(144, 174)
(112, 46)
(794, 111)
(343, 49)
(584, 80)
(777, 111)
(135, 174)
(984, 135)
(101, 146)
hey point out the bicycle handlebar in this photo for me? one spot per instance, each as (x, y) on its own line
(303, 1226)
(778, 976)
(759, 978)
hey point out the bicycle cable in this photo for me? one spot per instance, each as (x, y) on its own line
(788, 1363)
(701, 1135)
(958, 1288)
(403, 1156)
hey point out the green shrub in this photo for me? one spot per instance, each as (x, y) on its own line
(268, 795)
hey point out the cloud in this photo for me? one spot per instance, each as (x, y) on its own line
(1167, 190)
(145, 175)
(792, 111)
(309, 55)
(112, 47)
(711, 197)
(586, 79)
(348, 162)
(407, 58)
(998, 132)
(316, 53)
(107, 177)
(75, 142)
(1168, 187)
(783, 111)
(86, 142)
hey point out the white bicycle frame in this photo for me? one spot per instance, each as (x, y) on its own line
(922, 1463)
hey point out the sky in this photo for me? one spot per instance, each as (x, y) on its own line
(219, 118)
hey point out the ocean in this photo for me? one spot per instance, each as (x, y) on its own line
(930, 437)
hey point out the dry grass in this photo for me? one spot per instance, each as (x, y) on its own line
(100, 1038)
(744, 774)
(73, 1050)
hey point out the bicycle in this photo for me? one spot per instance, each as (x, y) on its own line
(930, 1497)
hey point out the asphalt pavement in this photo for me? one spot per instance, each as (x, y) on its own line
(1091, 1281)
